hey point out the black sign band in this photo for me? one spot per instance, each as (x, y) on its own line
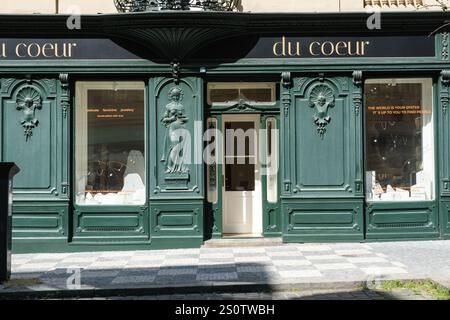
(264, 47)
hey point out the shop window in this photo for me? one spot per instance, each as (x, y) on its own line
(399, 140)
(110, 143)
(222, 92)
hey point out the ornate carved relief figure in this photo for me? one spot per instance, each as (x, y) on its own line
(321, 98)
(28, 100)
(174, 120)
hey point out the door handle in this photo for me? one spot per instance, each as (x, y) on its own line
(223, 180)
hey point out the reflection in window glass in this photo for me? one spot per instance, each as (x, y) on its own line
(240, 155)
(399, 140)
(110, 148)
(224, 95)
(240, 177)
(222, 92)
(256, 95)
(272, 159)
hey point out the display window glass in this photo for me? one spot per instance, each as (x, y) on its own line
(399, 140)
(110, 143)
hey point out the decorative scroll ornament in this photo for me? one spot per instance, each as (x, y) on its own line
(357, 78)
(444, 52)
(175, 144)
(321, 98)
(242, 106)
(175, 71)
(445, 97)
(357, 95)
(64, 78)
(28, 100)
(286, 80)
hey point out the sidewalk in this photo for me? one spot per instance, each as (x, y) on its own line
(307, 266)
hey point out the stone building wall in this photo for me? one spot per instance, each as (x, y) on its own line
(107, 6)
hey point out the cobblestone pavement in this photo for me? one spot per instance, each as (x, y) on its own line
(289, 295)
(283, 264)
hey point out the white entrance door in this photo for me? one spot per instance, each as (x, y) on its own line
(241, 187)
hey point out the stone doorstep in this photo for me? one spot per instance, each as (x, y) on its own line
(206, 287)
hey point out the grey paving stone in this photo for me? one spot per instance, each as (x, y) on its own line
(216, 276)
(177, 271)
(281, 248)
(138, 272)
(97, 282)
(99, 274)
(249, 254)
(207, 261)
(216, 266)
(296, 267)
(217, 270)
(182, 256)
(144, 263)
(257, 276)
(113, 258)
(133, 279)
(291, 257)
(175, 279)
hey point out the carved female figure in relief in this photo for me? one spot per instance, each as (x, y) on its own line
(174, 152)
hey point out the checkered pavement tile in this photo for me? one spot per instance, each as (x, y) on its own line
(293, 262)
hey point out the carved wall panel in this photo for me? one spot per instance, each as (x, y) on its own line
(324, 125)
(176, 123)
(34, 135)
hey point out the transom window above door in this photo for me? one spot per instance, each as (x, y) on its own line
(221, 92)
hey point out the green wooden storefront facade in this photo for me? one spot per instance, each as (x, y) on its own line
(321, 179)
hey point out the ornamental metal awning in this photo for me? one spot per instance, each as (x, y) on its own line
(183, 5)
